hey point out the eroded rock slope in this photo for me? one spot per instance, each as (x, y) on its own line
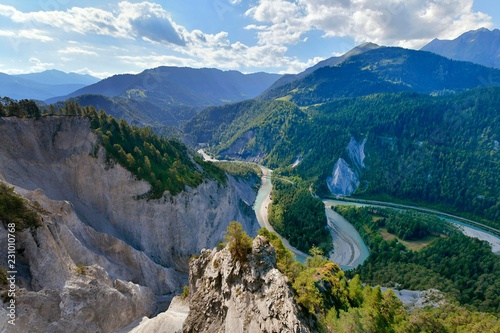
(99, 247)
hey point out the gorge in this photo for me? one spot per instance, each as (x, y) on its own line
(95, 229)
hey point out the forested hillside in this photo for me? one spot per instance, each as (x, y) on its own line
(464, 268)
(438, 150)
(168, 96)
(386, 69)
(299, 217)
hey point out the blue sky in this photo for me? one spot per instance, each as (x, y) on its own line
(281, 36)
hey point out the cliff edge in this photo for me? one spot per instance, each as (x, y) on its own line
(227, 295)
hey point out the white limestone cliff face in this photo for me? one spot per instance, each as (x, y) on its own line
(71, 278)
(170, 321)
(356, 152)
(346, 174)
(343, 181)
(128, 249)
(54, 154)
(226, 296)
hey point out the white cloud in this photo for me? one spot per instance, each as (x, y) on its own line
(145, 20)
(36, 66)
(170, 43)
(140, 35)
(100, 75)
(395, 22)
(154, 60)
(32, 34)
(77, 50)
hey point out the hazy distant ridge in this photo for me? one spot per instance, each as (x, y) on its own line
(480, 46)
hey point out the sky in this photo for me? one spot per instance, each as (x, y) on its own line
(103, 38)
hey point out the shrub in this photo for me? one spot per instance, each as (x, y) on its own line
(185, 292)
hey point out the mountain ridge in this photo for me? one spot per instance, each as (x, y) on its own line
(43, 85)
(199, 80)
(332, 61)
(55, 76)
(386, 69)
(168, 96)
(481, 46)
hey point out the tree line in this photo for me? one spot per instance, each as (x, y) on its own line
(464, 268)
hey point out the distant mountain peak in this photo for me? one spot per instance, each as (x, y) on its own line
(43, 85)
(481, 46)
(368, 45)
(382, 70)
(332, 61)
(58, 77)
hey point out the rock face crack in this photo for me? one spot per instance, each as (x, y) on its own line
(249, 297)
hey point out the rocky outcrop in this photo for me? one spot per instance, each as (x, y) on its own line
(71, 278)
(228, 296)
(169, 321)
(346, 172)
(343, 181)
(356, 152)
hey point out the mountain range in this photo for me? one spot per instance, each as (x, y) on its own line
(480, 46)
(109, 216)
(385, 69)
(378, 124)
(168, 96)
(332, 61)
(43, 85)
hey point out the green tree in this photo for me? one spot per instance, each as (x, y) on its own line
(238, 242)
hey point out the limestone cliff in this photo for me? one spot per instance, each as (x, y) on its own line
(54, 154)
(56, 292)
(102, 255)
(227, 296)
(346, 172)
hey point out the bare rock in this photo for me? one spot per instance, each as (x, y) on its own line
(230, 296)
(62, 157)
(101, 254)
(89, 302)
(169, 321)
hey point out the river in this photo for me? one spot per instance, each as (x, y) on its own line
(466, 228)
(262, 204)
(349, 249)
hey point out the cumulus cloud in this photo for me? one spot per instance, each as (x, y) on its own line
(408, 23)
(100, 75)
(277, 25)
(39, 66)
(148, 21)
